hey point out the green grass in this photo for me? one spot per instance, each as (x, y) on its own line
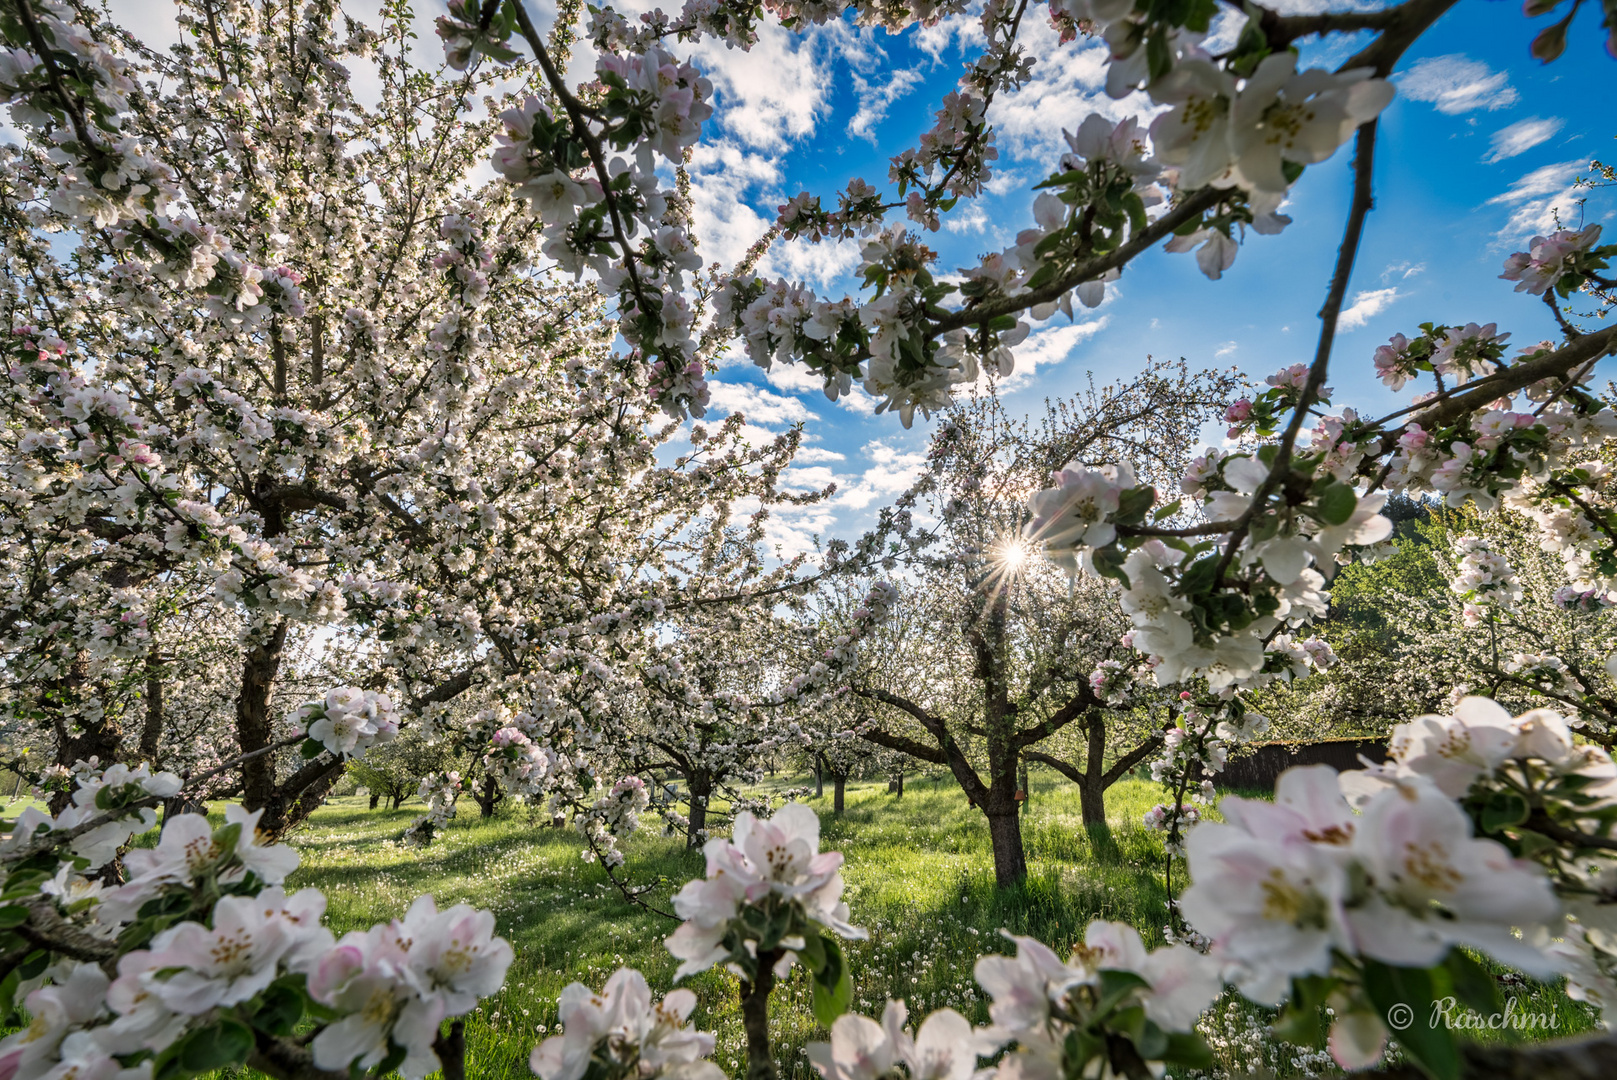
(919, 878)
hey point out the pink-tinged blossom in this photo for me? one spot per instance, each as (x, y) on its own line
(623, 1025)
(1545, 261)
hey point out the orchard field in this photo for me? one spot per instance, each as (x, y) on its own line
(574, 424)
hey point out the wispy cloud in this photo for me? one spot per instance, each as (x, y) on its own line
(875, 98)
(1402, 271)
(757, 404)
(891, 471)
(1366, 306)
(1456, 84)
(1522, 136)
(1542, 200)
(1045, 348)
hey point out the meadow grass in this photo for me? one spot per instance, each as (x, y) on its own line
(919, 878)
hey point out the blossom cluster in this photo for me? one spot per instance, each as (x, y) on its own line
(439, 791)
(200, 954)
(768, 897)
(348, 721)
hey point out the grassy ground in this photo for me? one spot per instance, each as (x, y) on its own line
(919, 876)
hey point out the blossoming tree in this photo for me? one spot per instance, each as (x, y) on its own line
(1031, 653)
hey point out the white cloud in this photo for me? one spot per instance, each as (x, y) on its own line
(1522, 136)
(1366, 306)
(1458, 84)
(794, 379)
(757, 404)
(891, 471)
(772, 93)
(1402, 271)
(812, 455)
(802, 259)
(1226, 349)
(1064, 88)
(1044, 348)
(875, 99)
(1542, 200)
(972, 219)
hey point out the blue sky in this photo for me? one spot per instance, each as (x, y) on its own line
(1479, 147)
(1477, 150)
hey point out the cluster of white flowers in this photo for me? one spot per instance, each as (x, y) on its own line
(439, 791)
(612, 817)
(775, 864)
(1484, 579)
(348, 721)
(198, 933)
(521, 766)
(621, 1034)
(1287, 889)
(1110, 682)
(95, 792)
(1545, 671)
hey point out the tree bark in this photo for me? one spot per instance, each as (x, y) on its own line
(900, 792)
(488, 795)
(755, 1019)
(1092, 792)
(151, 732)
(254, 726)
(839, 791)
(819, 780)
(701, 787)
(1005, 833)
(375, 799)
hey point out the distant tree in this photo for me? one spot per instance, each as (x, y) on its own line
(989, 663)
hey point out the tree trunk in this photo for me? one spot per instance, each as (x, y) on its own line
(839, 792)
(1025, 788)
(819, 780)
(755, 1019)
(701, 787)
(254, 726)
(1092, 792)
(487, 794)
(900, 793)
(151, 733)
(375, 798)
(1005, 833)
(1092, 802)
(397, 799)
(77, 737)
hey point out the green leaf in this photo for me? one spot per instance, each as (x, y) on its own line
(280, 1006)
(1189, 1049)
(833, 988)
(12, 916)
(1134, 504)
(813, 953)
(226, 1043)
(1115, 985)
(1473, 986)
(8, 995)
(1503, 810)
(312, 748)
(1109, 563)
(1403, 996)
(1299, 1022)
(1337, 504)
